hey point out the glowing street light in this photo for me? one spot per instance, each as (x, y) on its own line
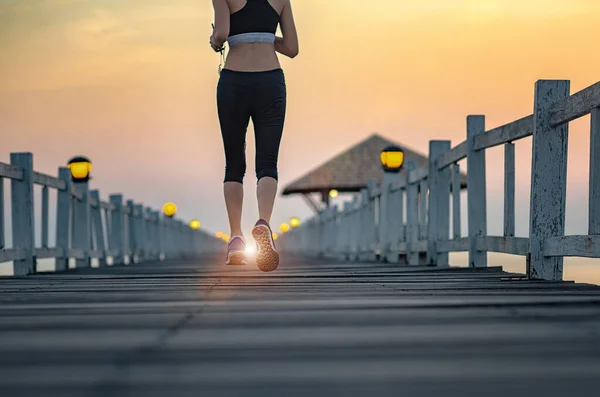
(80, 168)
(284, 228)
(169, 209)
(294, 222)
(333, 193)
(219, 234)
(195, 224)
(275, 236)
(392, 158)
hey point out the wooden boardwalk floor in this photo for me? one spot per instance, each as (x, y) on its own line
(313, 328)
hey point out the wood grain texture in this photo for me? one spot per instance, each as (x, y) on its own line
(456, 232)
(505, 245)
(45, 210)
(476, 188)
(11, 171)
(22, 214)
(48, 181)
(313, 328)
(507, 133)
(412, 217)
(572, 107)
(582, 246)
(594, 192)
(548, 179)
(509, 190)
(455, 154)
(63, 219)
(439, 204)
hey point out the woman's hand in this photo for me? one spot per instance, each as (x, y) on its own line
(214, 45)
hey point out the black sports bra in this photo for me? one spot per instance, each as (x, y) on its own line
(256, 22)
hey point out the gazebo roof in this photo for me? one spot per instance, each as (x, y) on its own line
(351, 170)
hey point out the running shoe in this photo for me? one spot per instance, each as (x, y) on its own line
(267, 257)
(236, 252)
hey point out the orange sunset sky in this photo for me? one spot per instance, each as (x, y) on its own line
(131, 84)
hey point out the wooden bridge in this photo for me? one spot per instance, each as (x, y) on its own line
(365, 301)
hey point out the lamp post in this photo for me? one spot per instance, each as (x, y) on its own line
(169, 209)
(195, 224)
(80, 168)
(392, 159)
(294, 222)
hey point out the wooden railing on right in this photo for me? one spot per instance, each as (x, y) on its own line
(86, 227)
(373, 226)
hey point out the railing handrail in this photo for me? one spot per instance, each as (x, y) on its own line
(86, 226)
(427, 229)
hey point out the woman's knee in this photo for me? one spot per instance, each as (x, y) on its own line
(235, 173)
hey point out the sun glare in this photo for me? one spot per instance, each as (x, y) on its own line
(250, 249)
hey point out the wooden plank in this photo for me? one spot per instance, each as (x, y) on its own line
(94, 203)
(455, 245)
(412, 216)
(98, 228)
(13, 254)
(63, 219)
(45, 210)
(456, 154)
(2, 209)
(417, 175)
(48, 181)
(548, 180)
(423, 199)
(506, 245)
(106, 206)
(594, 193)
(398, 185)
(23, 225)
(456, 201)
(81, 235)
(575, 106)
(476, 189)
(509, 190)
(581, 246)
(439, 204)
(11, 171)
(117, 229)
(510, 132)
(46, 253)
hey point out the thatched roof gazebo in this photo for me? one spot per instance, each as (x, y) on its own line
(351, 170)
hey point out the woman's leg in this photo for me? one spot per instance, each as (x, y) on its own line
(233, 103)
(268, 117)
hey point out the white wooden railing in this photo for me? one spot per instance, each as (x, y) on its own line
(373, 226)
(129, 232)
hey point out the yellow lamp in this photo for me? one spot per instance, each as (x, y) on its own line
(275, 236)
(225, 237)
(284, 228)
(169, 209)
(333, 193)
(80, 168)
(219, 234)
(392, 158)
(294, 222)
(195, 224)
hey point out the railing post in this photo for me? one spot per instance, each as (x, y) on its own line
(140, 232)
(117, 229)
(439, 204)
(132, 232)
(476, 186)
(509, 190)
(63, 220)
(355, 225)
(98, 228)
(594, 199)
(456, 232)
(371, 225)
(81, 235)
(423, 196)
(387, 216)
(22, 214)
(412, 216)
(548, 180)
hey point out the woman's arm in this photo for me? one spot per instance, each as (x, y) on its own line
(288, 44)
(221, 30)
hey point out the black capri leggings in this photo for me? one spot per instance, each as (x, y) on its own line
(262, 96)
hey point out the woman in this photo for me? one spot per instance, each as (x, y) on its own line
(252, 86)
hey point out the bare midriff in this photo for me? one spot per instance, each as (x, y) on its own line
(252, 57)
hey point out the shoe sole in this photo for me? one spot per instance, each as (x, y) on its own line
(267, 257)
(236, 258)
